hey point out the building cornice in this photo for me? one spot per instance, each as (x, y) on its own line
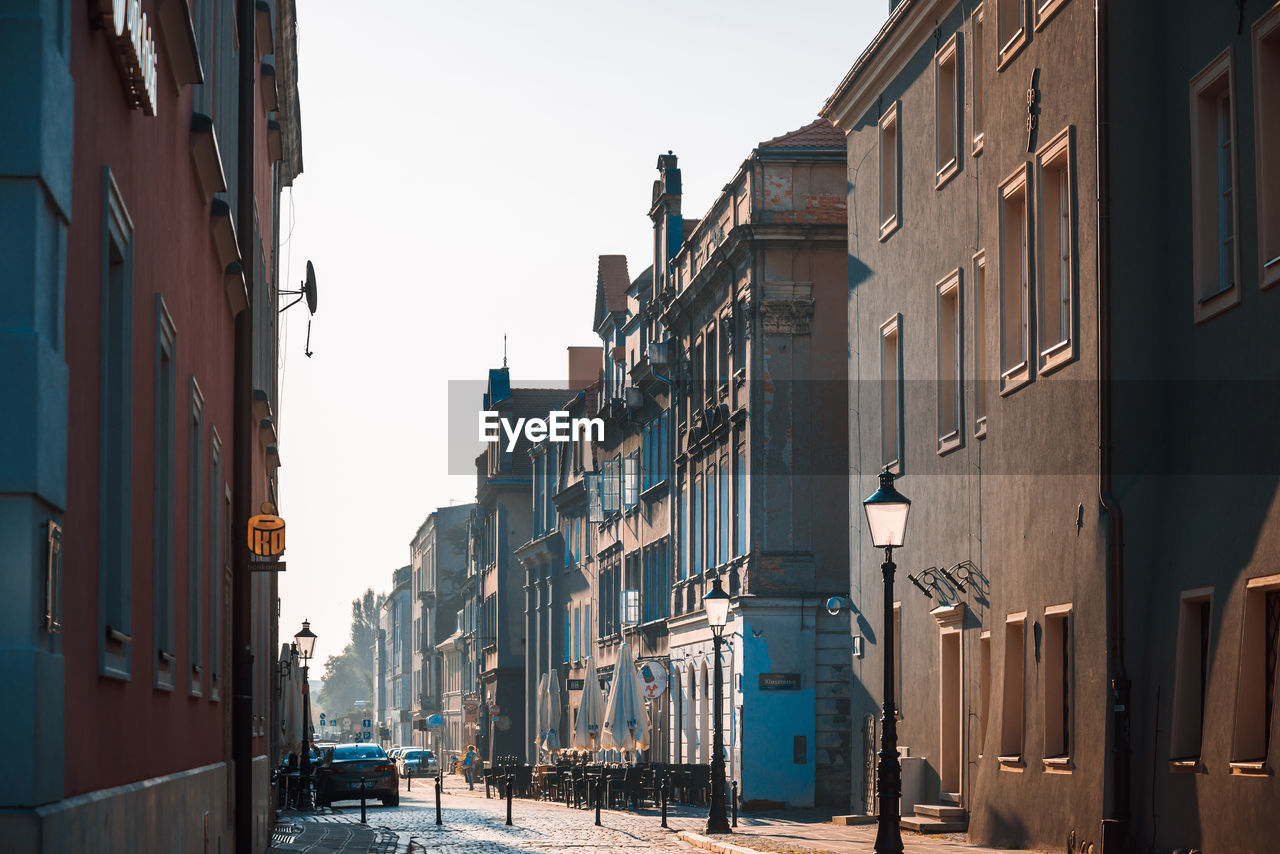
(902, 35)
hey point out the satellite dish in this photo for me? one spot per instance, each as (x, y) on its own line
(309, 288)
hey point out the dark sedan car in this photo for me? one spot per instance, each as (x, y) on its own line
(339, 773)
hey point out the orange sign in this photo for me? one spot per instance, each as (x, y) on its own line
(266, 535)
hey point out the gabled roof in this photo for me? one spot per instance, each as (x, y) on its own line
(819, 133)
(612, 281)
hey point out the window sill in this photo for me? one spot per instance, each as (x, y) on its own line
(977, 144)
(1012, 763)
(948, 171)
(1011, 49)
(980, 428)
(1250, 769)
(1045, 12)
(654, 491)
(1062, 353)
(1014, 378)
(1270, 274)
(888, 227)
(1216, 303)
(949, 442)
(1058, 765)
(1187, 766)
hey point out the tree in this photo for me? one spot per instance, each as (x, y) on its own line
(349, 677)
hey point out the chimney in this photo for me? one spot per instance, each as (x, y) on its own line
(584, 366)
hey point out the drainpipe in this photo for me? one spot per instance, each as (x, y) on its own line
(1115, 824)
(242, 462)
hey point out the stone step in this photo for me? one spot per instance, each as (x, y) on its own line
(848, 820)
(942, 811)
(925, 824)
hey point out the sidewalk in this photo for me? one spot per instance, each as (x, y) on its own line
(799, 831)
(301, 832)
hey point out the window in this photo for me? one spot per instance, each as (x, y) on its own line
(1011, 29)
(891, 388)
(1057, 685)
(215, 562)
(723, 527)
(741, 489)
(1216, 268)
(1191, 675)
(890, 171)
(631, 480)
(1014, 674)
(950, 364)
(984, 679)
(577, 634)
(115, 432)
(657, 582)
(1266, 80)
(981, 367)
(977, 60)
(654, 469)
(696, 521)
(682, 513)
(947, 110)
(1015, 284)
(586, 630)
(724, 351)
(1256, 691)
(195, 539)
(713, 521)
(1055, 298)
(163, 556)
(1046, 9)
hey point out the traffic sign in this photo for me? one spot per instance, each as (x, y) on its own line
(494, 709)
(367, 723)
(435, 720)
(366, 735)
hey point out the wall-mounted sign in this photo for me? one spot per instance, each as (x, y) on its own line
(435, 720)
(266, 535)
(576, 684)
(655, 679)
(779, 681)
(133, 48)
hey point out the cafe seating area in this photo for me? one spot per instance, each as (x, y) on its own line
(578, 782)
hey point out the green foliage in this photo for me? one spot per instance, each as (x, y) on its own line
(349, 677)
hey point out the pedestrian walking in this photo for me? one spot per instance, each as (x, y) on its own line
(469, 762)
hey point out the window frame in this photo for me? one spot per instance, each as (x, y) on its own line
(948, 54)
(1252, 624)
(950, 287)
(195, 537)
(892, 220)
(1181, 758)
(1060, 760)
(1007, 49)
(1013, 671)
(115, 503)
(164, 655)
(892, 327)
(1266, 138)
(1062, 149)
(1015, 376)
(1043, 11)
(981, 402)
(1206, 86)
(978, 104)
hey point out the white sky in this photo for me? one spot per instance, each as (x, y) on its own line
(465, 164)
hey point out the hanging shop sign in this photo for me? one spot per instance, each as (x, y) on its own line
(266, 535)
(655, 679)
(133, 47)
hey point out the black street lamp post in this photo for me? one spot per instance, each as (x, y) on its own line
(887, 517)
(716, 603)
(306, 640)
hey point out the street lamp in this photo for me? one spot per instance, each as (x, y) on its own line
(306, 641)
(887, 517)
(716, 603)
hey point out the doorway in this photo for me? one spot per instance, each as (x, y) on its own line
(950, 760)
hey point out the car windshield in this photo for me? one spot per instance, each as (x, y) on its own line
(415, 754)
(362, 751)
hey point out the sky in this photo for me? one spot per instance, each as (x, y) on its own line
(464, 165)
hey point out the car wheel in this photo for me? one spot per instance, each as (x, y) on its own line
(393, 801)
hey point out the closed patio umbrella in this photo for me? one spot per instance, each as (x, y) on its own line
(626, 721)
(551, 713)
(539, 714)
(586, 730)
(290, 701)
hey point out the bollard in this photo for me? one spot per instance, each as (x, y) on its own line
(663, 790)
(510, 792)
(408, 775)
(439, 786)
(735, 803)
(599, 797)
(486, 785)
(363, 792)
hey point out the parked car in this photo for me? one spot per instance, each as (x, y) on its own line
(418, 761)
(337, 778)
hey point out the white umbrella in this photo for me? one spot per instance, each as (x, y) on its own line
(626, 721)
(551, 713)
(539, 714)
(290, 702)
(586, 730)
